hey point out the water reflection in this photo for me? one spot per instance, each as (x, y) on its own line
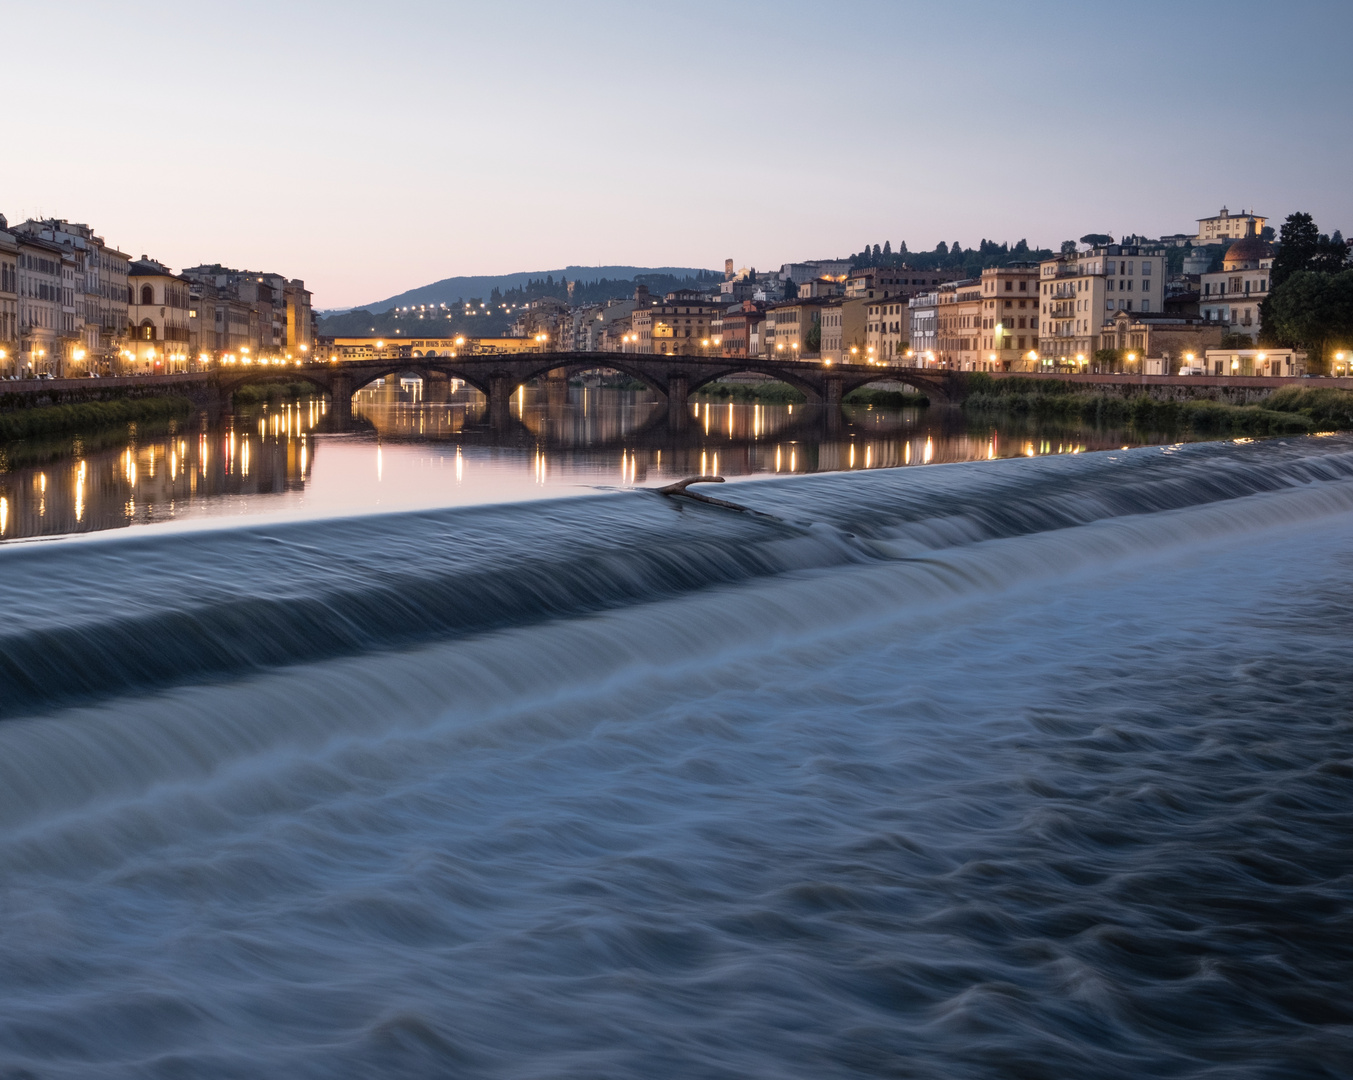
(407, 449)
(153, 474)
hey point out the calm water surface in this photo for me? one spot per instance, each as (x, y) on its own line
(284, 460)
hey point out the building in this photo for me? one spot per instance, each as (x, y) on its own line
(1081, 291)
(159, 332)
(1227, 226)
(887, 330)
(829, 319)
(1157, 344)
(1010, 314)
(281, 320)
(788, 331)
(39, 280)
(872, 282)
(1232, 296)
(739, 332)
(9, 302)
(95, 284)
(923, 313)
(1285, 362)
(679, 325)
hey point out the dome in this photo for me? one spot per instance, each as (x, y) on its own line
(1245, 254)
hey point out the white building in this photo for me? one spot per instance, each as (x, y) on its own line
(1081, 292)
(1232, 296)
(923, 311)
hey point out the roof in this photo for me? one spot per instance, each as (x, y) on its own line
(1250, 249)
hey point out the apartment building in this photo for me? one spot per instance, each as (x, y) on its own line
(1157, 344)
(887, 330)
(1010, 314)
(1080, 292)
(959, 325)
(788, 328)
(739, 334)
(678, 325)
(40, 278)
(94, 294)
(9, 302)
(1232, 296)
(923, 314)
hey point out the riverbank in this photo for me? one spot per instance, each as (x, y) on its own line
(48, 420)
(256, 393)
(1291, 411)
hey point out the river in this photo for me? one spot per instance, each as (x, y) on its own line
(283, 460)
(1037, 767)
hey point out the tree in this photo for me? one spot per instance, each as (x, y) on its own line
(1311, 310)
(1235, 341)
(877, 254)
(813, 343)
(1266, 234)
(887, 249)
(941, 248)
(1068, 247)
(1096, 239)
(791, 289)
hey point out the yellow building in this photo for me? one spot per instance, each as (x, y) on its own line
(1228, 226)
(1080, 292)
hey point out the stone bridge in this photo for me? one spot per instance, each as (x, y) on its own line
(497, 376)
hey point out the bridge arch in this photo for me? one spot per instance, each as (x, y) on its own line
(932, 384)
(769, 370)
(422, 368)
(228, 383)
(620, 362)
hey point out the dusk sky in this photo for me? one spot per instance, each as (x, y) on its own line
(373, 148)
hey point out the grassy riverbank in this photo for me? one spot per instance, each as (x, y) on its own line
(893, 399)
(254, 393)
(766, 393)
(49, 420)
(1291, 411)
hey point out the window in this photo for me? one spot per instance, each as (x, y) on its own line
(1146, 305)
(1146, 269)
(1023, 286)
(1009, 286)
(147, 295)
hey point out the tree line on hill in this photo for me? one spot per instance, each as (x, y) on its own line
(969, 262)
(1310, 301)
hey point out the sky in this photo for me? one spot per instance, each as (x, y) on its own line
(372, 148)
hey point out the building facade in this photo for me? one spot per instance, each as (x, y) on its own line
(1228, 226)
(1080, 292)
(158, 316)
(679, 325)
(1231, 297)
(9, 303)
(40, 279)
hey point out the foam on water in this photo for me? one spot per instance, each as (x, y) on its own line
(1036, 768)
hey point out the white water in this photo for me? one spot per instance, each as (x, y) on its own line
(1037, 768)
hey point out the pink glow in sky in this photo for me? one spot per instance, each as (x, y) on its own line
(373, 148)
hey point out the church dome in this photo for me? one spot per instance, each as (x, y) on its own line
(1246, 254)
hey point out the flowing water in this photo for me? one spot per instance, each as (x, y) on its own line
(1035, 767)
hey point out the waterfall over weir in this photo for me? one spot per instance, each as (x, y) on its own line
(1031, 767)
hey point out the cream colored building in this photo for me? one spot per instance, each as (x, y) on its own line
(1232, 296)
(1010, 314)
(1080, 293)
(40, 279)
(158, 316)
(677, 326)
(959, 327)
(1285, 362)
(9, 303)
(887, 330)
(1228, 226)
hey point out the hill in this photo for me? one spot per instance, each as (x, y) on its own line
(449, 290)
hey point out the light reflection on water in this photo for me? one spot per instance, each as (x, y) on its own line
(407, 452)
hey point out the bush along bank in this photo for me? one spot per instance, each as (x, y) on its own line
(776, 393)
(253, 393)
(1291, 411)
(89, 415)
(895, 399)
